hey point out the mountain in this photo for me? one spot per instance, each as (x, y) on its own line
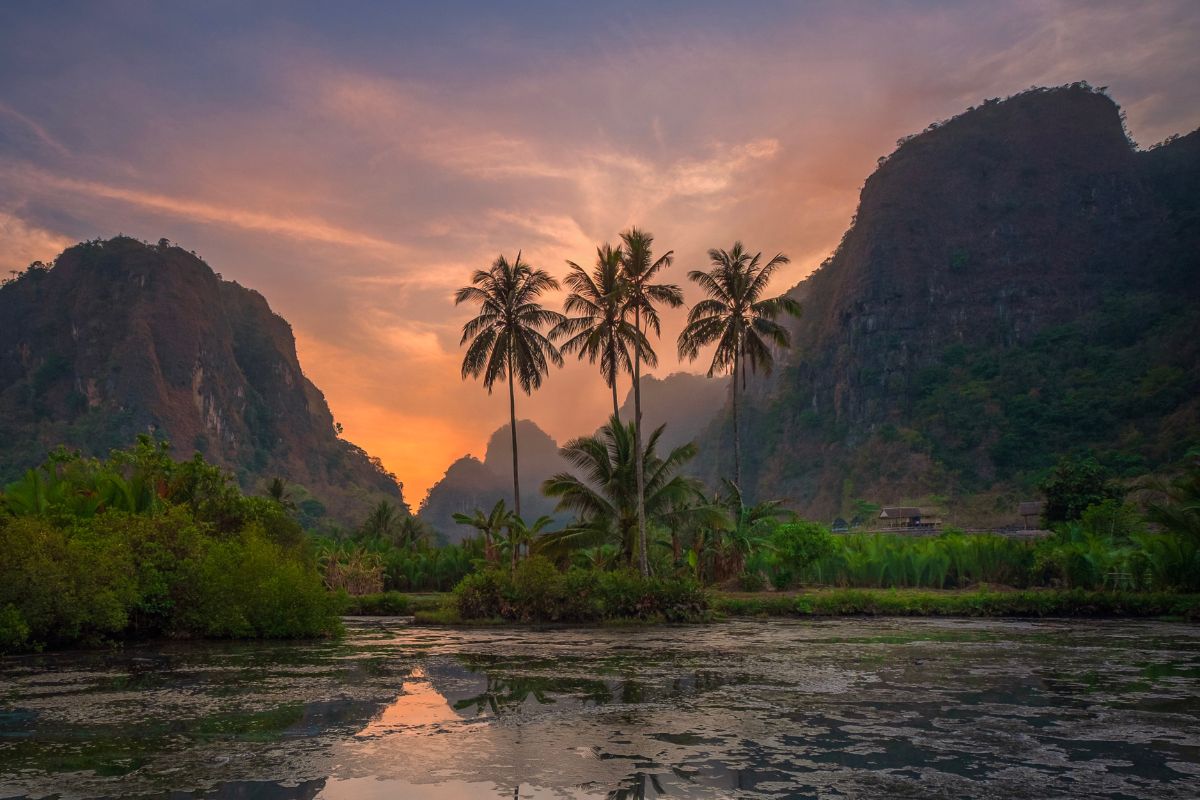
(684, 402)
(121, 337)
(1020, 282)
(471, 484)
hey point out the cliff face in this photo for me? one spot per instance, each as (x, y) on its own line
(120, 337)
(1020, 282)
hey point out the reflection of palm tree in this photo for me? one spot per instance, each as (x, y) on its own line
(636, 788)
(505, 694)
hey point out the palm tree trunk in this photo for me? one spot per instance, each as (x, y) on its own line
(616, 408)
(737, 437)
(512, 416)
(639, 465)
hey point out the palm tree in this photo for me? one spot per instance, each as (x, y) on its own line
(490, 525)
(520, 533)
(600, 329)
(383, 522)
(638, 268)
(737, 317)
(604, 495)
(278, 491)
(750, 525)
(506, 342)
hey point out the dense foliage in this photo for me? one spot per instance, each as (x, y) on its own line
(539, 592)
(140, 545)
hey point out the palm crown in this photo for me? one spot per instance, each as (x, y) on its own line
(505, 338)
(734, 314)
(599, 327)
(604, 494)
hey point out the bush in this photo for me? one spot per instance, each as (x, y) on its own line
(249, 586)
(538, 592)
(142, 546)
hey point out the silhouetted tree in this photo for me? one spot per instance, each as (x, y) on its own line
(741, 322)
(506, 342)
(638, 268)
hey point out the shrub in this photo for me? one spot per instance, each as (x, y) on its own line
(248, 586)
(538, 592)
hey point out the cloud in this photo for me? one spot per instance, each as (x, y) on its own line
(357, 173)
(23, 244)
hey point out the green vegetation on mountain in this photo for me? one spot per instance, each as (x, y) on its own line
(1019, 283)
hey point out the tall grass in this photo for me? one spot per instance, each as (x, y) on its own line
(950, 561)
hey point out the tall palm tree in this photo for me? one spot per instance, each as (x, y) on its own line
(600, 328)
(739, 319)
(604, 494)
(506, 341)
(639, 269)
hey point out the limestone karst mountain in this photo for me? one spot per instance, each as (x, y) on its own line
(121, 337)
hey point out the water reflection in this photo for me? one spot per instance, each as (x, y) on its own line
(418, 705)
(868, 708)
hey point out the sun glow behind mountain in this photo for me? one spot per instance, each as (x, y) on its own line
(355, 165)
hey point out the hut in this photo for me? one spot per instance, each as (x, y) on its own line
(900, 517)
(1030, 508)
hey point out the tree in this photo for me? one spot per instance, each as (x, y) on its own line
(741, 322)
(1179, 510)
(278, 491)
(489, 525)
(600, 329)
(750, 526)
(518, 532)
(604, 495)
(638, 268)
(1073, 485)
(506, 342)
(383, 521)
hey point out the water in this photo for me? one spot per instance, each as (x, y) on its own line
(845, 708)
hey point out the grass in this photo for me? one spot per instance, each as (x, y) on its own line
(393, 604)
(982, 602)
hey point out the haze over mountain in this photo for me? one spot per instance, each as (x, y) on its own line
(685, 402)
(121, 338)
(471, 484)
(1020, 282)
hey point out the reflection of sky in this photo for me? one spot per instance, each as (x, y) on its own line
(353, 163)
(418, 705)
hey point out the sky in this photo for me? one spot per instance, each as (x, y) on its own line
(356, 162)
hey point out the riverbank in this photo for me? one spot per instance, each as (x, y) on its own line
(435, 608)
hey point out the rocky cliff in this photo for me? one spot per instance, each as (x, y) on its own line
(1019, 282)
(120, 337)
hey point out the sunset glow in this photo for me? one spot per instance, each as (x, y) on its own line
(355, 165)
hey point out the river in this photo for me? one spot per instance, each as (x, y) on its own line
(779, 708)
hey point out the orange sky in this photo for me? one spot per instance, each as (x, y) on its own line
(356, 166)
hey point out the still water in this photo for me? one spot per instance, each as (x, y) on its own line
(844, 708)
